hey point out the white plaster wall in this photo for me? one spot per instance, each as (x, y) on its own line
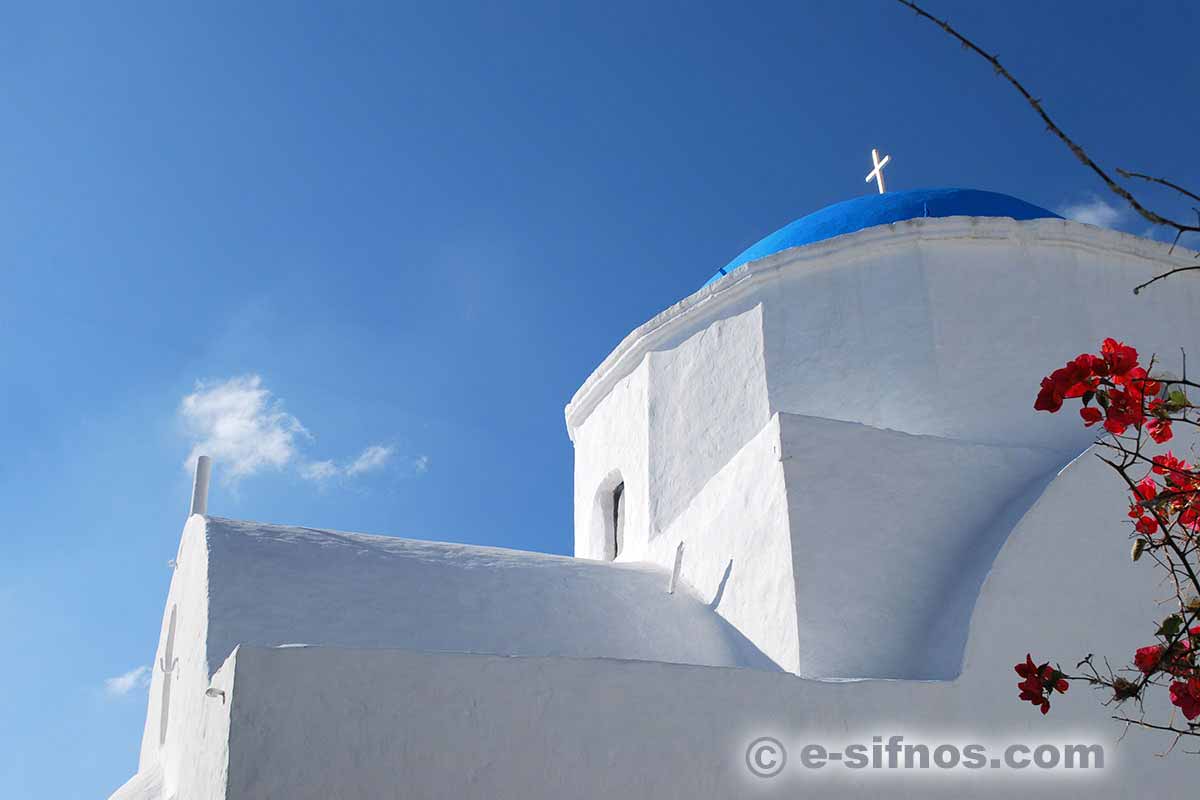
(142, 786)
(328, 723)
(689, 413)
(204, 772)
(904, 326)
(189, 762)
(892, 535)
(707, 398)
(613, 440)
(738, 547)
(276, 585)
(848, 338)
(668, 427)
(1064, 585)
(935, 327)
(945, 327)
(1029, 311)
(242, 583)
(199, 770)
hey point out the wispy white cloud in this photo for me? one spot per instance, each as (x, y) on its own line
(371, 459)
(374, 458)
(319, 470)
(1095, 211)
(1164, 234)
(121, 685)
(245, 429)
(239, 424)
(421, 464)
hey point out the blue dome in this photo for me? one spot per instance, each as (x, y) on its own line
(881, 209)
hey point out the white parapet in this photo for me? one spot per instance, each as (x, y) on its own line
(200, 486)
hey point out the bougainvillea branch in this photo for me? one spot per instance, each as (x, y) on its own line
(1076, 149)
(1138, 409)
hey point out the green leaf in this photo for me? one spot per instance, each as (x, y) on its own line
(1171, 626)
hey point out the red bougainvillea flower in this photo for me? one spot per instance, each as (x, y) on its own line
(1049, 397)
(1160, 430)
(1124, 409)
(1189, 518)
(1076, 379)
(1148, 658)
(1167, 464)
(1120, 384)
(1178, 662)
(1186, 695)
(1119, 359)
(1146, 489)
(1183, 483)
(1040, 681)
(1146, 525)
(1138, 382)
(1027, 669)
(1159, 427)
(1081, 375)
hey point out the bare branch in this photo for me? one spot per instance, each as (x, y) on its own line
(1124, 173)
(1070, 143)
(1166, 274)
(1170, 728)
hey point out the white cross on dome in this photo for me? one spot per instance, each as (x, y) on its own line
(877, 173)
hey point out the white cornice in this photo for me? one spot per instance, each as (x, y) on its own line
(834, 253)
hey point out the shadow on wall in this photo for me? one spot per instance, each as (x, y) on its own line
(946, 639)
(716, 601)
(167, 664)
(750, 656)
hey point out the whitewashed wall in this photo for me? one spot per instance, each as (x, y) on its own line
(613, 447)
(323, 723)
(892, 536)
(707, 399)
(937, 327)
(276, 586)
(190, 758)
(932, 326)
(313, 722)
(945, 327)
(316, 723)
(737, 551)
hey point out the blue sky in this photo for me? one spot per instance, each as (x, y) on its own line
(379, 248)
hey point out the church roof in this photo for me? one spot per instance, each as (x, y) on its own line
(273, 585)
(882, 209)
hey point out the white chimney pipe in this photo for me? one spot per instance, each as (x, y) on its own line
(200, 486)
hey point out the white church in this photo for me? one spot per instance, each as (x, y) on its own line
(813, 502)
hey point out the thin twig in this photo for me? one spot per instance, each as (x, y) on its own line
(1166, 274)
(1071, 144)
(1170, 728)
(1124, 173)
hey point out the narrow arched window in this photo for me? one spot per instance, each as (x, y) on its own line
(618, 519)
